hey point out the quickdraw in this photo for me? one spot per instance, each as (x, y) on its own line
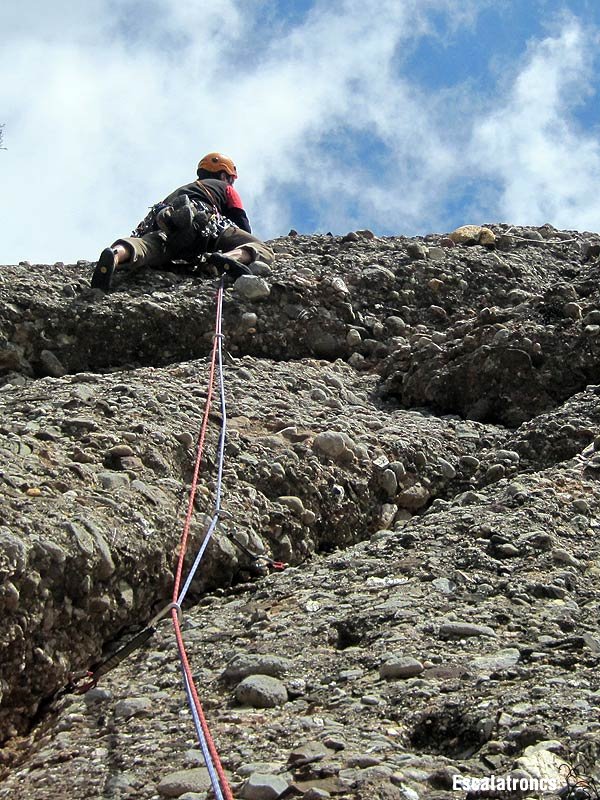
(148, 224)
(277, 566)
(81, 682)
(215, 223)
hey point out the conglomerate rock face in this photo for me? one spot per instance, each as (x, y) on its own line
(413, 428)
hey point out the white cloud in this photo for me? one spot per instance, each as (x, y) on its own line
(331, 87)
(546, 167)
(110, 104)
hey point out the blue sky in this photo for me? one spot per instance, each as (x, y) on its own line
(404, 116)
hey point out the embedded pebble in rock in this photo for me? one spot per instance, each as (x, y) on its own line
(542, 763)
(400, 667)
(389, 482)
(436, 254)
(120, 783)
(458, 630)
(119, 451)
(133, 707)
(416, 438)
(263, 787)
(249, 319)
(187, 780)
(413, 498)
(261, 691)
(252, 287)
(295, 504)
(370, 700)
(507, 550)
(330, 443)
(334, 743)
(96, 695)
(113, 480)
(260, 268)
(51, 364)
(416, 250)
(353, 338)
(503, 659)
(564, 557)
(446, 468)
(395, 325)
(307, 754)
(244, 664)
(444, 585)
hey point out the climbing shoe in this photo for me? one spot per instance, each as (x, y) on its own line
(105, 268)
(229, 266)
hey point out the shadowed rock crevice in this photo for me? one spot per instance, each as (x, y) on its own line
(451, 731)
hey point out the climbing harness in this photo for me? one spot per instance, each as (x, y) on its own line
(206, 226)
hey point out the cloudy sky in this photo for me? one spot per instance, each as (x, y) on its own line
(403, 116)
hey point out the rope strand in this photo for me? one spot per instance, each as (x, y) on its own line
(199, 451)
(220, 459)
(211, 757)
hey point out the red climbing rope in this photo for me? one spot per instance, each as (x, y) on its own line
(207, 741)
(199, 449)
(80, 683)
(198, 706)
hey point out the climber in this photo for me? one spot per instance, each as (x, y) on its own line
(203, 217)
